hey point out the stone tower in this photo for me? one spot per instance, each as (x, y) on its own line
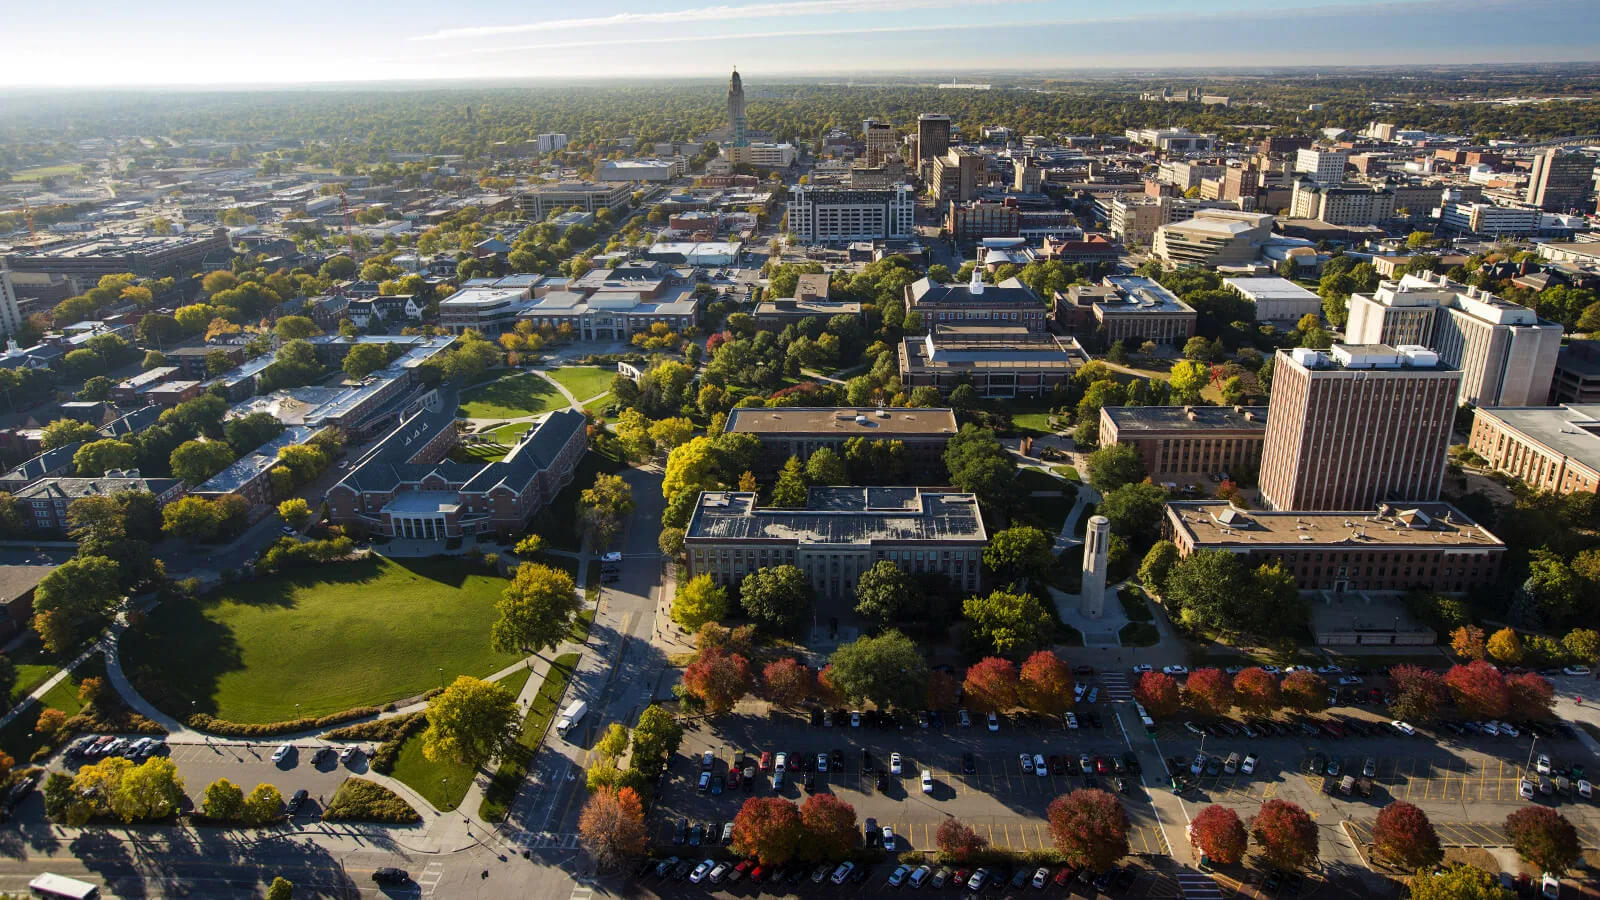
(1096, 545)
(736, 125)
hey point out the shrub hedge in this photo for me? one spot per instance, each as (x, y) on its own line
(360, 800)
(207, 722)
(388, 752)
(373, 730)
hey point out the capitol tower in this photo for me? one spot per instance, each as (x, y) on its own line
(736, 110)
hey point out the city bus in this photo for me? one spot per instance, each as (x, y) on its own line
(48, 885)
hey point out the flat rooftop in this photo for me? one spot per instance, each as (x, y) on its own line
(1217, 523)
(1269, 288)
(1131, 420)
(1141, 295)
(850, 516)
(1572, 429)
(844, 421)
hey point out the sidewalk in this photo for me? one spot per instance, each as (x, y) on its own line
(38, 693)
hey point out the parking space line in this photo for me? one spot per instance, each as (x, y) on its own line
(1411, 763)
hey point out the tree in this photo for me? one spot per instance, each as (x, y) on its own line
(1209, 692)
(1135, 510)
(1255, 691)
(655, 739)
(1114, 466)
(1529, 695)
(470, 722)
(62, 432)
(223, 801)
(298, 328)
(612, 827)
(1044, 684)
(295, 511)
(979, 465)
(886, 593)
(1157, 565)
(150, 790)
(1089, 827)
(1188, 379)
(825, 467)
(196, 461)
(1019, 551)
(364, 359)
(603, 507)
(96, 458)
(671, 432)
(957, 840)
(536, 610)
(74, 597)
(1479, 690)
(831, 832)
(670, 541)
(1219, 834)
(1285, 834)
(1404, 835)
(192, 518)
(1544, 838)
(887, 670)
(718, 678)
(246, 433)
(1419, 694)
(1505, 646)
(1006, 622)
(1583, 644)
(769, 829)
(51, 721)
(1158, 693)
(790, 488)
(1467, 642)
(280, 889)
(96, 388)
(942, 692)
(991, 684)
(788, 681)
(1304, 691)
(263, 804)
(1459, 882)
(777, 596)
(698, 601)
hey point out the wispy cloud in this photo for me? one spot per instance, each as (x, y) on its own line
(721, 13)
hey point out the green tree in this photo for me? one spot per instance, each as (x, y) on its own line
(1459, 882)
(196, 461)
(1188, 379)
(790, 488)
(364, 359)
(1114, 466)
(97, 388)
(886, 593)
(192, 518)
(96, 458)
(295, 511)
(1135, 510)
(150, 790)
(698, 601)
(887, 670)
(280, 889)
(1157, 565)
(1021, 551)
(223, 801)
(536, 610)
(603, 507)
(62, 432)
(74, 597)
(263, 804)
(777, 596)
(296, 328)
(655, 739)
(1007, 623)
(470, 722)
(825, 467)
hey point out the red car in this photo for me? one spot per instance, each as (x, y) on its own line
(1064, 876)
(766, 760)
(960, 877)
(757, 874)
(1101, 766)
(733, 777)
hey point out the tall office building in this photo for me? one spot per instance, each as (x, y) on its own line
(933, 135)
(1356, 426)
(736, 122)
(1560, 182)
(1505, 352)
(880, 139)
(1324, 166)
(955, 175)
(10, 314)
(821, 214)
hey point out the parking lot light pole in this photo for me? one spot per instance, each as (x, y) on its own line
(1531, 745)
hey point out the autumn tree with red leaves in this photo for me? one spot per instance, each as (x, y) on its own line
(612, 827)
(1089, 827)
(1157, 692)
(830, 827)
(1419, 694)
(1304, 691)
(957, 840)
(1255, 691)
(1543, 837)
(769, 829)
(1404, 835)
(1045, 684)
(718, 678)
(1479, 690)
(991, 684)
(827, 694)
(1530, 696)
(943, 690)
(788, 682)
(1285, 834)
(1209, 692)
(1219, 834)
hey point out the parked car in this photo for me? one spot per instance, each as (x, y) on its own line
(282, 753)
(927, 781)
(1174, 670)
(894, 764)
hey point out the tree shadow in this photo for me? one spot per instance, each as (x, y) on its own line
(176, 659)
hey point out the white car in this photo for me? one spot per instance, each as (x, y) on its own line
(717, 873)
(1078, 690)
(1550, 887)
(843, 872)
(855, 718)
(701, 871)
(1347, 680)
(1490, 728)
(1404, 728)
(1542, 765)
(1039, 767)
(1072, 720)
(1094, 695)
(1525, 789)
(822, 762)
(1575, 670)
(1585, 789)
(1329, 669)
(927, 781)
(994, 722)
(1142, 668)
(1027, 763)
(894, 764)
(965, 718)
(282, 753)
(1509, 730)
(1249, 765)
(1040, 877)
(1274, 670)
(888, 838)
(1174, 670)
(781, 763)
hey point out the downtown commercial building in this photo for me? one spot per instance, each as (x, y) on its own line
(824, 214)
(538, 201)
(840, 534)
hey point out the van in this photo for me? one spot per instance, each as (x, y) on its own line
(571, 716)
(1347, 785)
(1232, 765)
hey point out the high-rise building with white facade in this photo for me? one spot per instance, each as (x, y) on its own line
(550, 143)
(1324, 166)
(10, 314)
(818, 213)
(1505, 352)
(736, 120)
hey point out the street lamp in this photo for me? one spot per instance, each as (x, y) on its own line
(1529, 764)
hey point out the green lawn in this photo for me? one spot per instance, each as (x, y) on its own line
(584, 381)
(478, 453)
(1032, 423)
(18, 740)
(598, 405)
(35, 665)
(329, 639)
(40, 173)
(503, 788)
(442, 784)
(510, 397)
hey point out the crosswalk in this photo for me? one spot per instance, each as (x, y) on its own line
(428, 881)
(582, 892)
(1198, 886)
(1114, 686)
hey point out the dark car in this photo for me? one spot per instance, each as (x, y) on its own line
(874, 836)
(297, 800)
(1131, 761)
(1126, 877)
(680, 831)
(1058, 765)
(836, 760)
(390, 875)
(1213, 766)
(1020, 879)
(321, 754)
(969, 763)
(883, 781)
(1292, 883)
(860, 873)
(697, 835)
(1094, 719)
(1102, 882)
(811, 781)
(816, 717)
(866, 760)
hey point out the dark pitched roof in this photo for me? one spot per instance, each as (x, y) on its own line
(41, 465)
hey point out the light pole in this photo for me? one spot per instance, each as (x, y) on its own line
(1529, 765)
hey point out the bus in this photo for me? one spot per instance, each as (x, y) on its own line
(48, 885)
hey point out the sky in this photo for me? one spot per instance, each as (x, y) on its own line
(198, 43)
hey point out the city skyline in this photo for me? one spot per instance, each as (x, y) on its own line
(543, 40)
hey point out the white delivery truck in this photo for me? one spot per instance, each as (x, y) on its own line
(571, 716)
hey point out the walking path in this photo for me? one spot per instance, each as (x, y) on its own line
(37, 694)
